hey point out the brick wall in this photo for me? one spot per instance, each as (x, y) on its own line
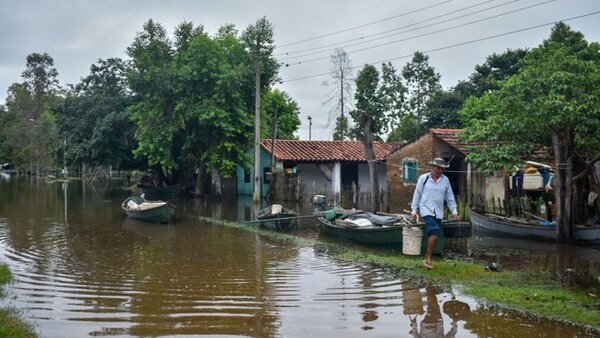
(423, 150)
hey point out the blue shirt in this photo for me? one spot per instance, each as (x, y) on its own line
(429, 197)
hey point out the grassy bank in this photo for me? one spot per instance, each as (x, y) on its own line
(521, 291)
(11, 324)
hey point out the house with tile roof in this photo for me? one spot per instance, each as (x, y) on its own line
(324, 167)
(407, 163)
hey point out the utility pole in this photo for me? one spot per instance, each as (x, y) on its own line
(309, 127)
(257, 174)
(273, 137)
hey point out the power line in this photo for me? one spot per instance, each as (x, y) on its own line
(427, 34)
(366, 24)
(395, 29)
(460, 44)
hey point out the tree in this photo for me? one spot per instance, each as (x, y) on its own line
(41, 80)
(553, 100)
(287, 112)
(422, 84)
(370, 120)
(496, 68)
(28, 125)
(443, 108)
(195, 98)
(339, 97)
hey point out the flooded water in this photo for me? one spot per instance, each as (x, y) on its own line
(82, 268)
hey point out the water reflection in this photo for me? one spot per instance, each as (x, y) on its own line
(104, 274)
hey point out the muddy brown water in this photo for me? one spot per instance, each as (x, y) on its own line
(82, 268)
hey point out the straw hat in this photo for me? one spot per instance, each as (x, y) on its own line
(438, 162)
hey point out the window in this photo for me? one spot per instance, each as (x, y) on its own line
(246, 176)
(409, 171)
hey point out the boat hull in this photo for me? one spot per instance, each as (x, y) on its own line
(281, 221)
(376, 236)
(584, 234)
(160, 214)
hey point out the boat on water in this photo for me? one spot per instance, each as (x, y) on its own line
(586, 234)
(276, 217)
(150, 211)
(383, 229)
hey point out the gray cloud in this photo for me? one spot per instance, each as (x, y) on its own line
(77, 33)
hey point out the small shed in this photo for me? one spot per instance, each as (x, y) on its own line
(324, 167)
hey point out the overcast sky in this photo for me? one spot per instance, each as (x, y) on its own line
(456, 34)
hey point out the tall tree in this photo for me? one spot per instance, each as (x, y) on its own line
(422, 84)
(28, 124)
(370, 121)
(41, 79)
(152, 80)
(553, 100)
(339, 96)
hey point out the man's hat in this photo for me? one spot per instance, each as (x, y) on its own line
(439, 162)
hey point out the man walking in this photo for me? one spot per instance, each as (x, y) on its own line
(430, 193)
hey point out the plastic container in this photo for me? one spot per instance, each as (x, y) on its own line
(411, 240)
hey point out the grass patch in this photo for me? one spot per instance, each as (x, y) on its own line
(527, 292)
(11, 324)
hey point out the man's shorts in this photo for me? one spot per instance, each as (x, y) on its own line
(433, 226)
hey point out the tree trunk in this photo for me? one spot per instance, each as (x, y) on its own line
(216, 182)
(563, 152)
(368, 143)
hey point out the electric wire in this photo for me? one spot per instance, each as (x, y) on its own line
(362, 38)
(456, 44)
(420, 35)
(366, 24)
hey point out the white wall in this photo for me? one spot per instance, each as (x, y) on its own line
(364, 180)
(313, 177)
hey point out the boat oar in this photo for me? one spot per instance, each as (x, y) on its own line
(281, 219)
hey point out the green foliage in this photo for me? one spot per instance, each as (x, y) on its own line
(288, 119)
(422, 83)
(408, 130)
(341, 131)
(369, 102)
(442, 110)
(554, 90)
(94, 120)
(196, 96)
(28, 132)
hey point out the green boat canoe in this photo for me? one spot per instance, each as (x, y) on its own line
(383, 235)
(276, 217)
(149, 211)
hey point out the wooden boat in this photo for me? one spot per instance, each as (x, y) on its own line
(150, 211)
(383, 234)
(276, 217)
(154, 193)
(587, 234)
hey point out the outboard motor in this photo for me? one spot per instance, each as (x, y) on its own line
(320, 202)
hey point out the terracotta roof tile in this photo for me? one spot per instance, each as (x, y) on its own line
(450, 136)
(326, 151)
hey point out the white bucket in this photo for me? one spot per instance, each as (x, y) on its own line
(276, 209)
(411, 240)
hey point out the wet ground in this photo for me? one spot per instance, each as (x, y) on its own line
(82, 268)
